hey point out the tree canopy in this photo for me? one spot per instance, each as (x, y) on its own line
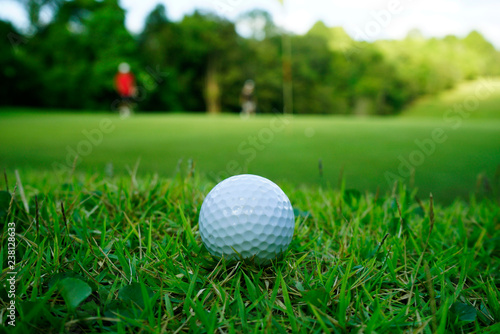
(200, 62)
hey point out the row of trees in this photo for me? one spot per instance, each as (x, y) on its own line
(200, 63)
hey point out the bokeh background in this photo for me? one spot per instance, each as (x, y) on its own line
(368, 92)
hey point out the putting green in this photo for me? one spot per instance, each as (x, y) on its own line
(446, 156)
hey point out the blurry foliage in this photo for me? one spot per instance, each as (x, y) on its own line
(70, 62)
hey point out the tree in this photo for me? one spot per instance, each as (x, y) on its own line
(159, 47)
(69, 58)
(258, 23)
(35, 8)
(207, 44)
(20, 73)
(78, 54)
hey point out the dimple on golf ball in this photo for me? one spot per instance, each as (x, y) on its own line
(246, 216)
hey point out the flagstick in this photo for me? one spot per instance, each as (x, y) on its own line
(286, 41)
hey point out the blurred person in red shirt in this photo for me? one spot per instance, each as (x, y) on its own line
(126, 88)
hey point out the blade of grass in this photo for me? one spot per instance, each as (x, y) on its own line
(288, 304)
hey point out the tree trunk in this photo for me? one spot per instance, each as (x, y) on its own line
(212, 89)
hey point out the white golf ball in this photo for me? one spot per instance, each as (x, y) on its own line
(246, 215)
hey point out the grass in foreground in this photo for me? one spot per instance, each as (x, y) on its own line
(124, 255)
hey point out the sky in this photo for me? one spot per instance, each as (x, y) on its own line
(362, 19)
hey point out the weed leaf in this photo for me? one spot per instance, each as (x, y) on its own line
(463, 311)
(74, 291)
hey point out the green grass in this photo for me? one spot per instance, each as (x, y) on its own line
(480, 100)
(124, 255)
(109, 242)
(367, 152)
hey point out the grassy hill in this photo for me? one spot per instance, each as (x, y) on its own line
(477, 99)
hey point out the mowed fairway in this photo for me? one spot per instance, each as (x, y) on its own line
(371, 152)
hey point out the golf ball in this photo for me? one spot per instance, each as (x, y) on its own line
(246, 215)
